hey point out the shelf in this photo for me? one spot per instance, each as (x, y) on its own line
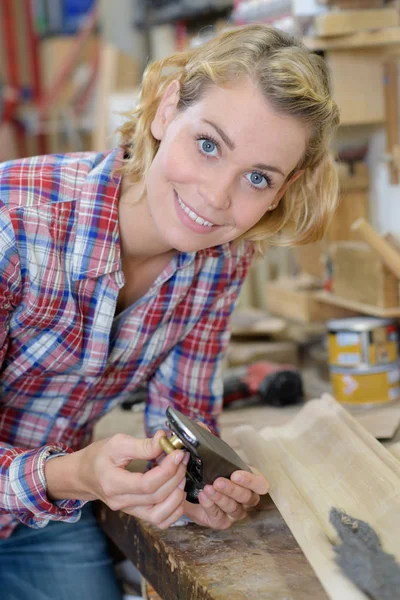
(362, 39)
(366, 309)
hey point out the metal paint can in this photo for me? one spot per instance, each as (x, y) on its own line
(369, 387)
(362, 342)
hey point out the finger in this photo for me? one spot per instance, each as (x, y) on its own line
(204, 426)
(161, 512)
(254, 501)
(170, 472)
(255, 482)
(123, 501)
(237, 492)
(233, 509)
(173, 518)
(126, 448)
(214, 516)
(225, 503)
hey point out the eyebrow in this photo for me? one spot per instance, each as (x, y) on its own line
(231, 145)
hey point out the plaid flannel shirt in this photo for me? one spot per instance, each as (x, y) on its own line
(64, 359)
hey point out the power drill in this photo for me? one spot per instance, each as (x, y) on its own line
(263, 382)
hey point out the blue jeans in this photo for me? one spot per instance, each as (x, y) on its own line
(62, 561)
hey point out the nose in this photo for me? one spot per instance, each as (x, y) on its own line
(217, 193)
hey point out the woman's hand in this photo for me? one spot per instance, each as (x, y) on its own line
(227, 500)
(98, 472)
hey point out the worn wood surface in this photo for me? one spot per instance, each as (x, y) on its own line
(257, 558)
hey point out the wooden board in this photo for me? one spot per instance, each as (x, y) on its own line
(244, 353)
(350, 21)
(353, 205)
(391, 96)
(362, 39)
(324, 458)
(255, 322)
(358, 307)
(394, 449)
(360, 98)
(284, 300)
(382, 422)
(310, 259)
(360, 276)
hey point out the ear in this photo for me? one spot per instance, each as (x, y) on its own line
(166, 110)
(287, 184)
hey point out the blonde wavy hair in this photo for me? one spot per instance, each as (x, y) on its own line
(292, 79)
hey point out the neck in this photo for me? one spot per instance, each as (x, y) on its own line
(139, 239)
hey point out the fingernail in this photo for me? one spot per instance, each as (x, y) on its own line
(237, 477)
(179, 457)
(182, 484)
(210, 491)
(221, 485)
(186, 458)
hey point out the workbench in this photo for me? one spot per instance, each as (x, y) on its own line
(257, 558)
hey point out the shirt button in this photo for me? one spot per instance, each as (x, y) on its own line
(61, 422)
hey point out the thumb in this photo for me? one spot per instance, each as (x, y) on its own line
(128, 448)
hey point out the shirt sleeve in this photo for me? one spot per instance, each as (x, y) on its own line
(22, 478)
(190, 379)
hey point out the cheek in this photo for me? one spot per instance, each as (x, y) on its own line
(250, 210)
(178, 164)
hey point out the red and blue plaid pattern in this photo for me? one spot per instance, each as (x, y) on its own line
(65, 360)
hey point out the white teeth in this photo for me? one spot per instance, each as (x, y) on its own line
(193, 215)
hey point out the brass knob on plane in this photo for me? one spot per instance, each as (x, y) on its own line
(170, 444)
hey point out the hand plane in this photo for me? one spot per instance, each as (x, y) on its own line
(210, 457)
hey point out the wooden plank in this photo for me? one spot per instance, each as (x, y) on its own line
(363, 39)
(353, 205)
(382, 248)
(391, 96)
(395, 450)
(310, 259)
(244, 353)
(255, 322)
(256, 558)
(350, 21)
(325, 459)
(358, 307)
(359, 275)
(359, 98)
(285, 300)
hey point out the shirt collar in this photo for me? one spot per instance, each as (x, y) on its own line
(97, 243)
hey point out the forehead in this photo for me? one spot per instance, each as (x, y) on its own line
(252, 124)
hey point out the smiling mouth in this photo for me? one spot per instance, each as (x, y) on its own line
(192, 215)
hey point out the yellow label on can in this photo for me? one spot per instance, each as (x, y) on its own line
(366, 388)
(382, 346)
(345, 349)
(353, 349)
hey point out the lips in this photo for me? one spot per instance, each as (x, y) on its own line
(194, 216)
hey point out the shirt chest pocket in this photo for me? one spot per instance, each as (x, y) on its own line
(61, 336)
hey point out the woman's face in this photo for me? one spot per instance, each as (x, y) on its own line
(221, 164)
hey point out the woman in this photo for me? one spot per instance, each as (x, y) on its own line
(123, 268)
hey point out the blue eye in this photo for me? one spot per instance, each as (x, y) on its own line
(258, 180)
(208, 147)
